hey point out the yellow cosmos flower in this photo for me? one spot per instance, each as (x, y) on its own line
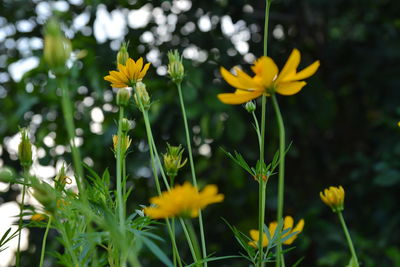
(266, 79)
(128, 74)
(333, 197)
(287, 224)
(183, 200)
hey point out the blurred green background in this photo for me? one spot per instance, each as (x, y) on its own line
(343, 124)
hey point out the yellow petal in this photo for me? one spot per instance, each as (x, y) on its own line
(232, 79)
(245, 80)
(272, 228)
(138, 68)
(305, 73)
(130, 67)
(144, 71)
(289, 88)
(288, 224)
(235, 98)
(291, 65)
(266, 69)
(299, 227)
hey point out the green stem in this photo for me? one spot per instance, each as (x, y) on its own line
(44, 242)
(119, 170)
(262, 183)
(67, 244)
(153, 165)
(347, 234)
(20, 217)
(189, 146)
(69, 123)
(189, 240)
(281, 181)
(120, 202)
(257, 129)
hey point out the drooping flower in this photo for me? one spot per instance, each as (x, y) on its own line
(128, 74)
(287, 225)
(183, 200)
(333, 197)
(266, 79)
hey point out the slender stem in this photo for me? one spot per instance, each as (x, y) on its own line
(189, 240)
(281, 181)
(69, 123)
(44, 242)
(119, 170)
(257, 129)
(153, 165)
(18, 257)
(262, 183)
(347, 234)
(189, 146)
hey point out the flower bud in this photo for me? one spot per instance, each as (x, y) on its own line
(175, 67)
(57, 48)
(125, 125)
(250, 106)
(173, 160)
(25, 150)
(123, 54)
(141, 96)
(333, 197)
(126, 143)
(7, 175)
(123, 96)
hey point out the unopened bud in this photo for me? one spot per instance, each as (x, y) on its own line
(125, 125)
(123, 54)
(173, 160)
(123, 96)
(126, 143)
(7, 175)
(141, 96)
(25, 150)
(57, 48)
(175, 67)
(250, 106)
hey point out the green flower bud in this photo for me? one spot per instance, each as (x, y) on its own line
(123, 54)
(173, 160)
(175, 67)
(25, 150)
(250, 106)
(141, 96)
(57, 48)
(125, 125)
(123, 96)
(7, 175)
(62, 179)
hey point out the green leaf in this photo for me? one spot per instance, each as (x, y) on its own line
(238, 159)
(155, 249)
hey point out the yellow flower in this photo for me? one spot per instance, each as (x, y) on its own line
(183, 200)
(333, 197)
(128, 74)
(266, 79)
(287, 224)
(37, 217)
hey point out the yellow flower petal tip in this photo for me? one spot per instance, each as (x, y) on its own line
(37, 217)
(182, 201)
(129, 74)
(293, 232)
(333, 197)
(267, 79)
